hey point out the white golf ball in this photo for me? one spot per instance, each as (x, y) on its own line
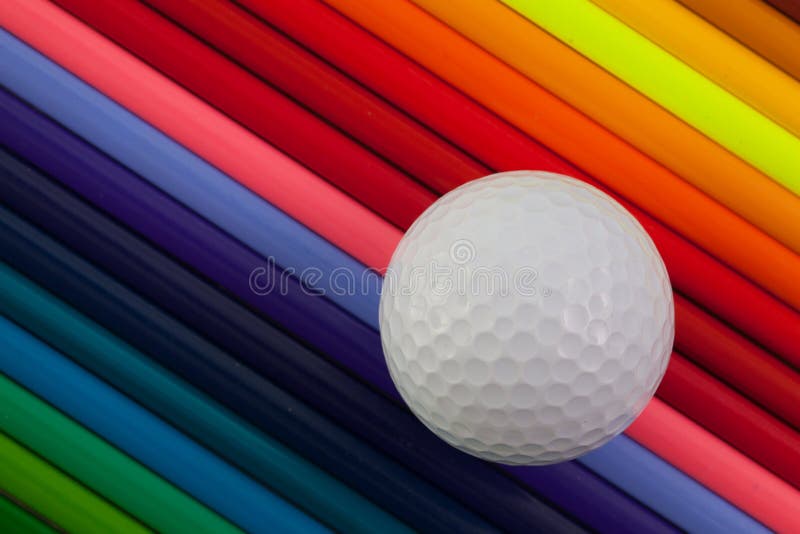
(526, 318)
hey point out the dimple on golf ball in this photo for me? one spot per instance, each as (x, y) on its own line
(526, 318)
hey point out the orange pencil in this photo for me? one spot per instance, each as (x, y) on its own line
(626, 112)
(757, 25)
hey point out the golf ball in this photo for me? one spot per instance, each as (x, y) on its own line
(526, 318)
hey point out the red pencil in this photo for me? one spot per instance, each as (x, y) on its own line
(694, 273)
